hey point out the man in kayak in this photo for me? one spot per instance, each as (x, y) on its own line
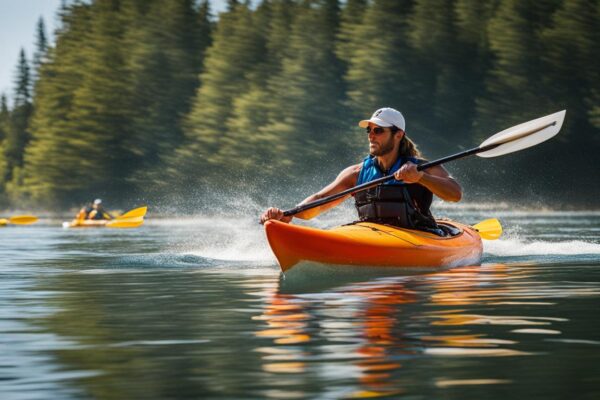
(85, 211)
(403, 201)
(98, 212)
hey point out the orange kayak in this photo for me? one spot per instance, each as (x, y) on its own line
(371, 244)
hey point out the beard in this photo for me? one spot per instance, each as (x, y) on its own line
(384, 148)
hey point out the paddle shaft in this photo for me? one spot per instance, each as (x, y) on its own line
(421, 167)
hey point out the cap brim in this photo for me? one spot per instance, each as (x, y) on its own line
(379, 122)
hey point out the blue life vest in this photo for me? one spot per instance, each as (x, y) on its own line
(97, 215)
(370, 170)
(393, 202)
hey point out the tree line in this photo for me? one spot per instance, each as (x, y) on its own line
(145, 98)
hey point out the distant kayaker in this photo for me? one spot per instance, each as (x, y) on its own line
(98, 212)
(390, 151)
(85, 211)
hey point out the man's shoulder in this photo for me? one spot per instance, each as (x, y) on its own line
(353, 169)
(349, 174)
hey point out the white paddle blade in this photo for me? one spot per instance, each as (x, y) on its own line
(525, 135)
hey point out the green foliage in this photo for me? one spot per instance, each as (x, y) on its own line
(23, 81)
(350, 17)
(54, 161)
(308, 95)
(142, 97)
(380, 72)
(17, 130)
(111, 98)
(571, 47)
(514, 90)
(235, 52)
(41, 47)
(4, 126)
(252, 145)
(4, 117)
(163, 64)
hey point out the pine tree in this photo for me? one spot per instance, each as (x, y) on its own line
(571, 79)
(436, 51)
(4, 117)
(449, 68)
(234, 53)
(23, 81)
(514, 91)
(308, 114)
(111, 97)
(204, 28)
(164, 66)
(571, 48)
(18, 131)
(101, 113)
(350, 17)
(232, 4)
(4, 126)
(134, 91)
(471, 19)
(56, 161)
(383, 71)
(251, 109)
(41, 48)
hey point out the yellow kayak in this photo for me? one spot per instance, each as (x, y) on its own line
(131, 219)
(86, 223)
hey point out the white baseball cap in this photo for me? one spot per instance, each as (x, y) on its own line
(385, 117)
(97, 201)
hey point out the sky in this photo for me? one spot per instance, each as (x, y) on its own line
(18, 21)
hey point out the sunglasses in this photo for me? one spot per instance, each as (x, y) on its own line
(376, 130)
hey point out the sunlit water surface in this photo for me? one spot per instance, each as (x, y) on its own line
(196, 308)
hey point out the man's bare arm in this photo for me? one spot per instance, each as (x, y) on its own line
(345, 180)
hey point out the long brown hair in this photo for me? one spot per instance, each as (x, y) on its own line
(408, 148)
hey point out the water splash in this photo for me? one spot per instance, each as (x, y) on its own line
(222, 238)
(517, 247)
(228, 230)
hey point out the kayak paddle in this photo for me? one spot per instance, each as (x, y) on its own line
(510, 140)
(19, 220)
(489, 229)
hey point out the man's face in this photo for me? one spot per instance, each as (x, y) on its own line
(381, 140)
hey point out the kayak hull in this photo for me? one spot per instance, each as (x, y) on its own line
(85, 223)
(370, 244)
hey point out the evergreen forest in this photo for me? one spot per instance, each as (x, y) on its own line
(149, 100)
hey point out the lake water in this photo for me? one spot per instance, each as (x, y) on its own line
(197, 308)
